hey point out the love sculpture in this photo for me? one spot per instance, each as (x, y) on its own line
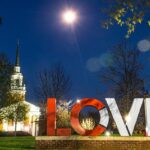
(124, 128)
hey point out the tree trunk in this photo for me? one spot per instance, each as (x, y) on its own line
(15, 134)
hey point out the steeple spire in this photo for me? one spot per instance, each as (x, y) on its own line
(17, 55)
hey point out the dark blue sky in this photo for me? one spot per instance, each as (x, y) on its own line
(44, 40)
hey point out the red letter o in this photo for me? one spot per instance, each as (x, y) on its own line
(99, 129)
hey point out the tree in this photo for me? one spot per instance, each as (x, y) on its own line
(127, 13)
(52, 83)
(5, 73)
(16, 109)
(63, 113)
(89, 119)
(123, 76)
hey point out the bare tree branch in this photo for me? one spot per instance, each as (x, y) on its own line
(124, 73)
(53, 83)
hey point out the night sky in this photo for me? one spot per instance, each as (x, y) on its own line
(45, 40)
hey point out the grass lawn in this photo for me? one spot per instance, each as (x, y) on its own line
(17, 143)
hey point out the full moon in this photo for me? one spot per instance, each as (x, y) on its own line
(69, 16)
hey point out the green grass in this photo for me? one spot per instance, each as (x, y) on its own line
(17, 143)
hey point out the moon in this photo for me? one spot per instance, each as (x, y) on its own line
(69, 16)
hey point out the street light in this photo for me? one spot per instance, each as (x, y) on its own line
(127, 118)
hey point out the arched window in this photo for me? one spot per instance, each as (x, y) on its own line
(17, 82)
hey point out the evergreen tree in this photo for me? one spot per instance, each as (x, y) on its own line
(5, 73)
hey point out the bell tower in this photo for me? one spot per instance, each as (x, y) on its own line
(17, 83)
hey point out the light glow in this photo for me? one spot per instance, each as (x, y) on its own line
(69, 16)
(26, 128)
(78, 101)
(107, 133)
(144, 45)
(127, 118)
(10, 128)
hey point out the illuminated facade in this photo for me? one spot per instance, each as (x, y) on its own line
(17, 86)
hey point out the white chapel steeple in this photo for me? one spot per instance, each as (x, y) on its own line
(17, 83)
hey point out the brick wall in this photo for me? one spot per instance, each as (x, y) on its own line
(92, 143)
